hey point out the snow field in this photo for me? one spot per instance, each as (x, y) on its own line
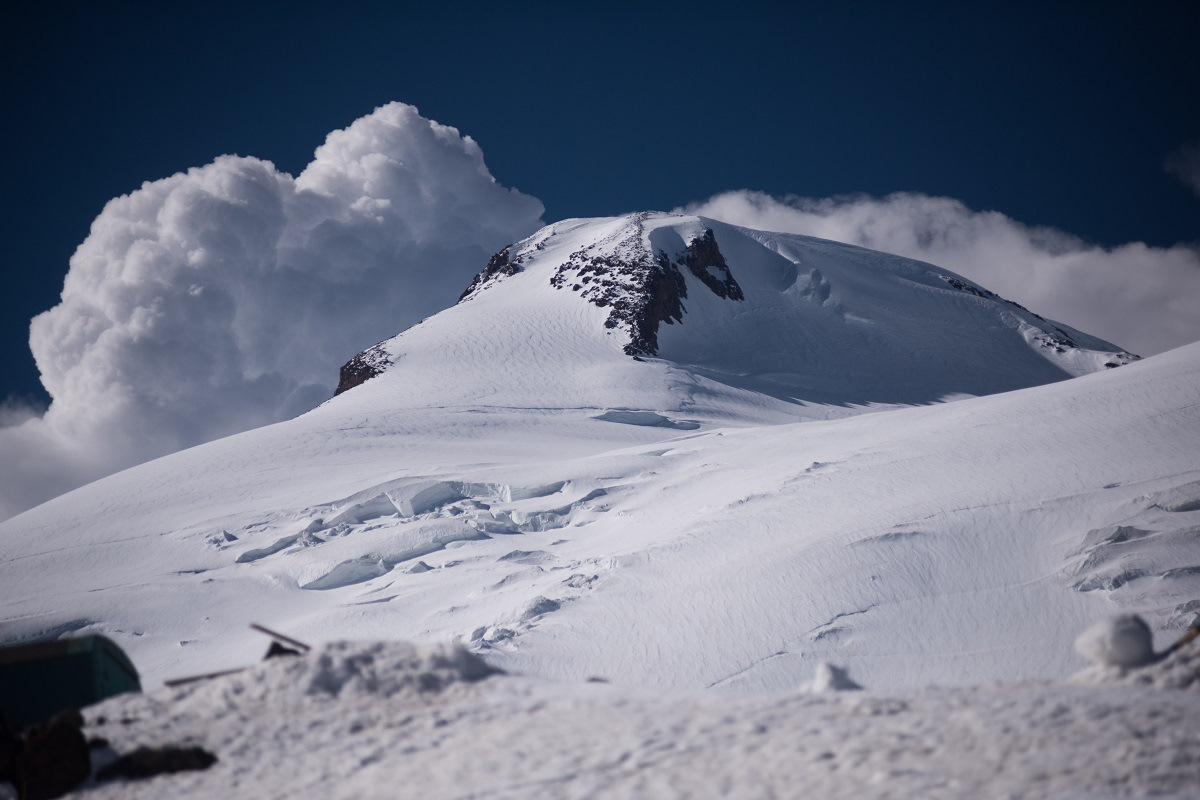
(944, 544)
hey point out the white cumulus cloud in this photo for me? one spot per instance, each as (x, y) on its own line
(1145, 299)
(227, 297)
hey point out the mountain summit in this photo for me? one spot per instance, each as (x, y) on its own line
(719, 310)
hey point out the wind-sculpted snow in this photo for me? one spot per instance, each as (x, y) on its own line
(646, 418)
(1156, 543)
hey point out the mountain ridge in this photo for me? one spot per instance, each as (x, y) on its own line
(804, 314)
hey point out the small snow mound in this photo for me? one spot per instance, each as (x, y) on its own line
(343, 670)
(1178, 669)
(385, 669)
(1121, 641)
(830, 678)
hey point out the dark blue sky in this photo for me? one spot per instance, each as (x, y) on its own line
(1055, 114)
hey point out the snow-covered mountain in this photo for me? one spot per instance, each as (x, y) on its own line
(720, 318)
(637, 449)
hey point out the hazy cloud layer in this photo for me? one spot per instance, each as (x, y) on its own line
(16, 410)
(227, 297)
(1139, 297)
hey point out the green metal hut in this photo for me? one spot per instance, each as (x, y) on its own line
(39, 680)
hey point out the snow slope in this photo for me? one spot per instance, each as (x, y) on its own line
(705, 508)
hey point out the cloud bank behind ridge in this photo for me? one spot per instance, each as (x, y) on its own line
(1143, 298)
(226, 297)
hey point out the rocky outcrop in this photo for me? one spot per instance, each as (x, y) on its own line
(498, 266)
(146, 762)
(705, 261)
(46, 760)
(641, 293)
(644, 289)
(362, 368)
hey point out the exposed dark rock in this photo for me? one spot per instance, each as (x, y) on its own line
(661, 300)
(498, 266)
(642, 293)
(362, 368)
(54, 758)
(644, 289)
(276, 650)
(706, 262)
(1121, 359)
(146, 762)
(1059, 342)
(9, 750)
(962, 286)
